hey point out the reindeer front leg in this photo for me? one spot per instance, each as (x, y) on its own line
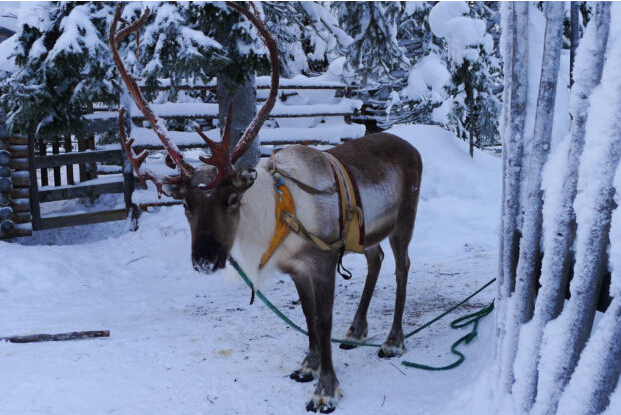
(327, 392)
(309, 369)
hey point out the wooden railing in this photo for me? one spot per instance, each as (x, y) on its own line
(104, 171)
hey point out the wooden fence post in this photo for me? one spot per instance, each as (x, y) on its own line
(68, 149)
(42, 153)
(56, 150)
(35, 209)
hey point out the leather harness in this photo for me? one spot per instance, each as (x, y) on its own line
(351, 214)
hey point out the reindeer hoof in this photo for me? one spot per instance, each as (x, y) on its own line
(322, 408)
(347, 346)
(323, 402)
(302, 376)
(386, 352)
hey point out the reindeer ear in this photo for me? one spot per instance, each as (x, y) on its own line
(245, 178)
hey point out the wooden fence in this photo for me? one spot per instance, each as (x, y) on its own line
(27, 183)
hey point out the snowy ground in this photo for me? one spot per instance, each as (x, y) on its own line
(185, 343)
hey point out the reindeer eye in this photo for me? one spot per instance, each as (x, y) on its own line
(233, 200)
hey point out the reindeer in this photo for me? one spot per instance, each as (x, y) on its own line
(231, 212)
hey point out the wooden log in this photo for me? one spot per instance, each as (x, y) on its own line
(145, 206)
(56, 150)
(20, 205)
(21, 230)
(74, 335)
(78, 158)
(5, 158)
(20, 192)
(6, 185)
(7, 227)
(5, 171)
(60, 221)
(22, 217)
(16, 140)
(18, 151)
(21, 179)
(5, 199)
(6, 213)
(19, 164)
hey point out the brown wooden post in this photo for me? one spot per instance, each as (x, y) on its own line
(68, 148)
(56, 150)
(42, 153)
(34, 185)
(92, 167)
(82, 145)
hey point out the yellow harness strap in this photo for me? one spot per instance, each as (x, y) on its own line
(284, 204)
(351, 213)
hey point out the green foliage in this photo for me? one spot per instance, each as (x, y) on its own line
(62, 71)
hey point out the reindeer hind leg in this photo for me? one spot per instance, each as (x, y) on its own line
(358, 330)
(399, 241)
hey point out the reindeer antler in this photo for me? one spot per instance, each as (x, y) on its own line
(221, 158)
(158, 125)
(136, 161)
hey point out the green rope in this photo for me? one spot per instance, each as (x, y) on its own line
(461, 322)
(476, 316)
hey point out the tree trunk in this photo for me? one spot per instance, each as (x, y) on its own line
(244, 109)
(523, 299)
(561, 231)
(565, 337)
(597, 373)
(575, 38)
(243, 102)
(506, 44)
(513, 149)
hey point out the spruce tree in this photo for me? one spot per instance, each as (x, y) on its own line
(63, 69)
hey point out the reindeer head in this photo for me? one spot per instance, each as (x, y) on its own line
(211, 193)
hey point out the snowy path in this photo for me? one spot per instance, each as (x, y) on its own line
(185, 343)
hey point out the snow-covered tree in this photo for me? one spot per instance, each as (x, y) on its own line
(472, 106)
(309, 36)
(64, 66)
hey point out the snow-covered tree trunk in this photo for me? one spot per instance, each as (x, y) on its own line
(560, 222)
(243, 100)
(523, 299)
(506, 47)
(565, 337)
(244, 108)
(513, 149)
(506, 42)
(513, 144)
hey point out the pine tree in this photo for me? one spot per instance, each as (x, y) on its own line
(63, 68)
